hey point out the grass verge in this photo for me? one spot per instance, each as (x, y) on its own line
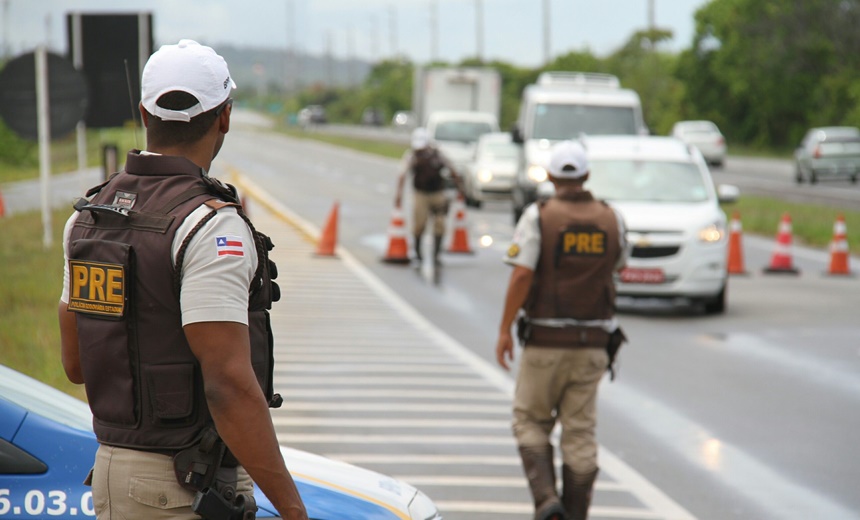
(30, 285)
(385, 149)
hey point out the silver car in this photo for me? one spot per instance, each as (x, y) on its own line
(705, 136)
(832, 151)
(493, 170)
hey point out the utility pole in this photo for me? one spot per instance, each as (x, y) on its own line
(374, 39)
(329, 65)
(546, 31)
(479, 29)
(392, 29)
(6, 50)
(434, 30)
(651, 24)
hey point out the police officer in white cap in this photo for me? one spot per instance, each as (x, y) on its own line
(424, 163)
(564, 253)
(164, 315)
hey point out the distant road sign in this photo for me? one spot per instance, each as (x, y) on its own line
(67, 96)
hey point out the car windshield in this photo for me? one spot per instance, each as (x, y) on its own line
(646, 181)
(463, 131)
(44, 400)
(499, 152)
(564, 121)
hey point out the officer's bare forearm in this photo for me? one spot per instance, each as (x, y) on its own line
(518, 290)
(240, 411)
(242, 419)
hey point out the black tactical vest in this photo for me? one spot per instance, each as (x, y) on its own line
(427, 168)
(143, 383)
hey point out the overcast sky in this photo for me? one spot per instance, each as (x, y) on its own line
(370, 29)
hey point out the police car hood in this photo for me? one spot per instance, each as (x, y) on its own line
(330, 487)
(688, 217)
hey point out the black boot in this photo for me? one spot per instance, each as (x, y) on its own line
(418, 248)
(437, 246)
(578, 489)
(540, 472)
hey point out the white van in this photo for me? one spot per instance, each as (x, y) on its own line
(566, 105)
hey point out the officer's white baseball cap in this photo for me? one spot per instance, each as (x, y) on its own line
(568, 160)
(186, 67)
(420, 138)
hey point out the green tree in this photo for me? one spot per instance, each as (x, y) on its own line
(772, 68)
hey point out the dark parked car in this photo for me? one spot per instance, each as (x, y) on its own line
(312, 114)
(828, 152)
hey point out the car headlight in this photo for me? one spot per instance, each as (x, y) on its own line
(422, 508)
(712, 233)
(485, 175)
(536, 173)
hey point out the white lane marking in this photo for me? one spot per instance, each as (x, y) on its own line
(446, 506)
(361, 359)
(338, 438)
(446, 382)
(398, 349)
(424, 424)
(464, 395)
(434, 459)
(479, 481)
(765, 354)
(750, 478)
(304, 368)
(613, 466)
(423, 408)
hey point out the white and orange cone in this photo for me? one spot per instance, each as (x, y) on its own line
(460, 238)
(398, 246)
(839, 249)
(781, 262)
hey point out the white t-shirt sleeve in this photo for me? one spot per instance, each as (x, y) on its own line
(67, 230)
(526, 244)
(219, 264)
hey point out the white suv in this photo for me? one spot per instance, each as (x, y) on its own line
(676, 228)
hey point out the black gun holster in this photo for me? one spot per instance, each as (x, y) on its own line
(524, 329)
(616, 338)
(196, 469)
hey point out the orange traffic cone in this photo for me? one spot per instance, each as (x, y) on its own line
(736, 254)
(781, 261)
(460, 239)
(398, 247)
(328, 239)
(839, 249)
(2, 206)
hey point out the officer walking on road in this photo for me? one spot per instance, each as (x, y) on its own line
(564, 253)
(425, 163)
(164, 315)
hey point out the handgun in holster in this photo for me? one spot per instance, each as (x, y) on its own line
(524, 329)
(196, 468)
(616, 338)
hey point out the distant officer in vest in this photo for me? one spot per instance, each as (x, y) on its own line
(425, 164)
(564, 253)
(164, 314)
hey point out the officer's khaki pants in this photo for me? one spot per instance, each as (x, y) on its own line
(425, 204)
(131, 484)
(564, 381)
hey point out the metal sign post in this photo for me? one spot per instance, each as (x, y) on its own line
(44, 122)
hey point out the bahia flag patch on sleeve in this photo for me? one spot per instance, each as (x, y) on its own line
(229, 245)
